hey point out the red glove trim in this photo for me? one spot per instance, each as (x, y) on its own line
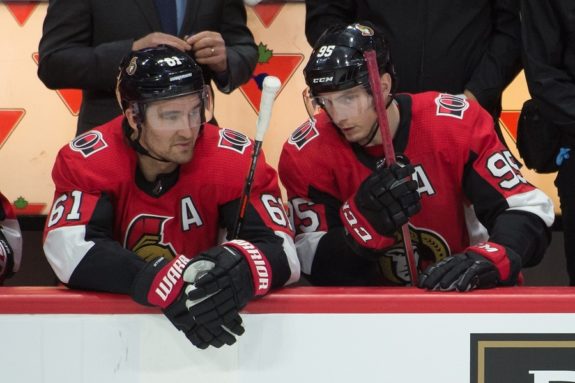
(166, 286)
(259, 265)
(360, 229)
(496, 254)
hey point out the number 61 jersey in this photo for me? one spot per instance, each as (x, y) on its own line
(107, 220)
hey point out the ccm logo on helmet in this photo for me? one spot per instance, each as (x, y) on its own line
(322, 79)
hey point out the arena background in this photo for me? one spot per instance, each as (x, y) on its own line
(35, 121)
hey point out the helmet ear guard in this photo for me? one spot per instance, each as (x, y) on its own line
(139, 112)
(208, 104)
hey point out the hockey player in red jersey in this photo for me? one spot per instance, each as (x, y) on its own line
(143, 204)
(10, 241)
(474, 221)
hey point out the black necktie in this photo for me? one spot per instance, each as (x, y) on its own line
(168, 15)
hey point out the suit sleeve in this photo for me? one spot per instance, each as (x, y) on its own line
(546, 54)
(501, 62)
(514, 212)
(241, 48)
(78, 238)
(67, 59)
(10, 241)
(321, 14)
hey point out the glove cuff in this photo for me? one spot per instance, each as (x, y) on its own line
(259, 265)
(360, 229)
(159, 283)
(506, 261)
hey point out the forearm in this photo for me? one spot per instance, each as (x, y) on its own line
(107, 267)
(83, 67)
(335, 263)
(524, 233)
(242, 60)
(68, 58)
(242, 52)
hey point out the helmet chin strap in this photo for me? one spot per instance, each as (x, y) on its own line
(135, 143)
(373, 131)
(140, 149)
(375, 126)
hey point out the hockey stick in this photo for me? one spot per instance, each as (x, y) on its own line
(270, 87)
(388, 150)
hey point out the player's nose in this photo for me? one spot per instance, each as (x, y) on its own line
(338, 117)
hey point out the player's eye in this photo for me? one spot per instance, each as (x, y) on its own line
(170, 116)
(349, 98)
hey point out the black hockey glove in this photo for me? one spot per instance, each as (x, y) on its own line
(483, 266)
(226, 278)
(161, 284)
(7, 258)
(382, 204)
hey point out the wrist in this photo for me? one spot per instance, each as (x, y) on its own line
(507, 262)
(360, 230)
(258, 263)
(160, 282)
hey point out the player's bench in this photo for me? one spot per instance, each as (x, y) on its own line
(301, 334)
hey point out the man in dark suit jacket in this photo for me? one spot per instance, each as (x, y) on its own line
(84, 41)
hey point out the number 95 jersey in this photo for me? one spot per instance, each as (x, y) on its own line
(467, 179)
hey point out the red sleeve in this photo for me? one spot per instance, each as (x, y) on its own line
(493, 181)
(78, 237)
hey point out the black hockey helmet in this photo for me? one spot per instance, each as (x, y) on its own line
(337, 63)
(157, 73)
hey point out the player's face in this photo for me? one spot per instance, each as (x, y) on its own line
(171, 128)
(352, 111)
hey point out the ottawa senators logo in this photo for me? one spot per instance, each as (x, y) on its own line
(145, 237)
(428, 247)
(88, 143)
(132, 66)
(451, 106)
(304, 134)
(364, 29)
(236, 141)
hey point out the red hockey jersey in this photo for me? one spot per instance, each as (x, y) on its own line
(106, 220)
(467, 181)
